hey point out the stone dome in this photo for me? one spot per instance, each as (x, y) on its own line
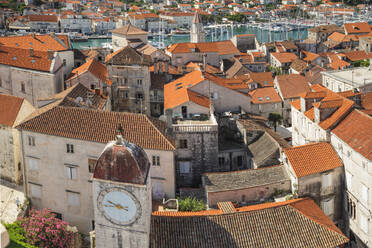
(124, 162)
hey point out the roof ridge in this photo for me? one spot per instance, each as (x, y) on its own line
(152, 124)
(308, 144)
(314, 220)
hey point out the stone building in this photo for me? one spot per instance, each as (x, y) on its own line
(244, 42)
(289, 88)
(359, 78)
(352, 141)
(29, 73)
(316, 171)
(92, 75)
(365, 44)
(13, 111)
(197, 31)
(245, 186)
(316, 113)
(122, 36)
(321, 33)
(58, 43)
(60, 179)
(197, 150)
(128, 70)
(44, 23)
(122, 196)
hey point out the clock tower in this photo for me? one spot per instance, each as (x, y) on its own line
(122, 196)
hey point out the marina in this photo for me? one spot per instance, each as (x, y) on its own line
(213, 33)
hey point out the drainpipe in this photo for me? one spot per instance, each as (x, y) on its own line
(23, 165)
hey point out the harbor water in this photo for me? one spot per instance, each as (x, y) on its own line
(213, 34)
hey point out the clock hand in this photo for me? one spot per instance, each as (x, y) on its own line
(118, 206)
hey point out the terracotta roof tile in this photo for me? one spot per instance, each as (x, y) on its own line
(37, 42)
(284, 57)
(310, 57)
(220, 47)
(264, 95)
(128, 29)
(98, 69)
(198, 99)
(299, 65)
(296, 104)
(254, 226)
(355, 28)
(9, 108)
(43, 18)
(175, 93)
(356, 131)
(98, 126)
(292, 85)
(312, 158)
(21, 58)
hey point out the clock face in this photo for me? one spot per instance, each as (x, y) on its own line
(119, 206)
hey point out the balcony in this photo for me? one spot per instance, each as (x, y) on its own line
(327, 190)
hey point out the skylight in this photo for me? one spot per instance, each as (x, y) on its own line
(178, 87)
(267, 98)
(14, 58)
(178, 84)
(260, 99)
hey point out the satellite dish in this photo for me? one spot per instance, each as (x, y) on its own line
(78, 99)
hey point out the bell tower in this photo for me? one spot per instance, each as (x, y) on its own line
(122, 196)
(197, 31)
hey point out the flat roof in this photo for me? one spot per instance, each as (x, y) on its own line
(355, 76)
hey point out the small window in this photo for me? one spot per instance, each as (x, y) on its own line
(92, 86)
(73, 198)
(33, 164)
(91, 164)
(185, 167)
(364, 190)
(364, 223)
(23, 87)
(183, 143)
(139, 96)
(221, 161)
(35, 190)
(31, 141)
(70, 148)
(71, 172)
(156, 160)
(239, 160)
(139, 82)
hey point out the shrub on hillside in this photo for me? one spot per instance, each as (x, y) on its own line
(190, 204)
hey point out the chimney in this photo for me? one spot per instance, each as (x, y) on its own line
(166, 67)
(161, 67)
(31, 52)
(50, 54)
(97, 91)
(156, 67)
(303, 104)
(33, 35)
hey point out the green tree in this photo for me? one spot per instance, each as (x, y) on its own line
(275, 119)
(190, 204)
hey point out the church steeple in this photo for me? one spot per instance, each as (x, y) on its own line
(197, 30)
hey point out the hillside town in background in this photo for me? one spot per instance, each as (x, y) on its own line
(182, 123)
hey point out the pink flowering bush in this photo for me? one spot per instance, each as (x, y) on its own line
(43, 229)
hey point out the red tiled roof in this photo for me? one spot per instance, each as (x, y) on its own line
(9, 108)
(98, 126)
(128, 29)
(98, 69)
(312, 158)
(356, 131)
(220, 47)
(21, 58)
(176, 92)
(43, 18)
(252, 226)
(355, 28)
(292, 85)
(37, 42)
(284, 57)
(264, 95)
